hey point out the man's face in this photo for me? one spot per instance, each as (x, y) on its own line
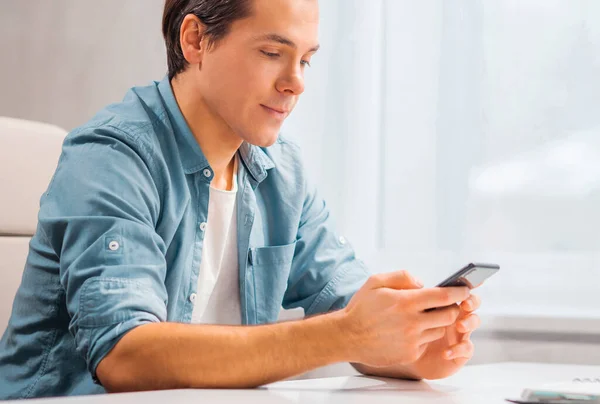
(253, 77)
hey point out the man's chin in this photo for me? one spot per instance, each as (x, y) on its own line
(262, 140)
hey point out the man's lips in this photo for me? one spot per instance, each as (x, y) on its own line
(277, 110)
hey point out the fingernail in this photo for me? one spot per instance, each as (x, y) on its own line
(449, 353)
(418, 282)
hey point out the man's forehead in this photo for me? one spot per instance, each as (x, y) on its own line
(292, 23)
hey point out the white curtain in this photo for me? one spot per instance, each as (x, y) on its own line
(442, 132)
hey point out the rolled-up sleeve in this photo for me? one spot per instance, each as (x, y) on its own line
(99, 215)
(325, 272)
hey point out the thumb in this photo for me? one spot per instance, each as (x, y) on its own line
(396, 280)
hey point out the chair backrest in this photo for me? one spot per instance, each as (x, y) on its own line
(29, 152)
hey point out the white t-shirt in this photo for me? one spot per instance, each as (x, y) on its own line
(218, 297)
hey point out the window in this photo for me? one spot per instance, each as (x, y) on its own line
(448, 132)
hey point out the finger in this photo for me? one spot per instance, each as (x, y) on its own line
(439, 297)
(464, 349)
(422, 350)
(471, 304)
(443, 317)
(432, 334)
(468, 324)
(395, 280)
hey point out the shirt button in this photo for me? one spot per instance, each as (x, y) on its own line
(207, 172)
(342, 240)
(193, 297)
(113, 245)
(203, 226)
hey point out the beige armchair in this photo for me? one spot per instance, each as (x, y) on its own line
(29, 153)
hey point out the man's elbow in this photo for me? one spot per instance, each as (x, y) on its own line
(121, 370)
(112, 374)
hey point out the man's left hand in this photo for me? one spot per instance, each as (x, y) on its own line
(443, 357)
(449, 354)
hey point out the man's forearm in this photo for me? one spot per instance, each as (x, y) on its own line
(173, 355)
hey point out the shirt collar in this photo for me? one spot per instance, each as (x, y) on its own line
(256, 161)
(193, 160)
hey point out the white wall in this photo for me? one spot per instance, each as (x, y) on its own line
(63, 60)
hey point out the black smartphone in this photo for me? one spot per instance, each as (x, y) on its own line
(471, 276)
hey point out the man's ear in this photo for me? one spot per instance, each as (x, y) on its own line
(192, 39)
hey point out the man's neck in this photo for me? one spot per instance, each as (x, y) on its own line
(218, 141)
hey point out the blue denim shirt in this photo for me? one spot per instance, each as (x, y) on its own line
(118, 243)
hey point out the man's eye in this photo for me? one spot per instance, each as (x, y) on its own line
(305, 63)
(270, 54)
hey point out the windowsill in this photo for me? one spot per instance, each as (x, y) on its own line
(534, 322)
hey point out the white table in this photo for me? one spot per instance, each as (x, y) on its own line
(487, 384)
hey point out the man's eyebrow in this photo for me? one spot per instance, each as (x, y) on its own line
(284, 41)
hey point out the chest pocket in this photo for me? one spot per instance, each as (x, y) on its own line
(271, 269)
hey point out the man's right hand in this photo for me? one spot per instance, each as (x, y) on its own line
(386, 321)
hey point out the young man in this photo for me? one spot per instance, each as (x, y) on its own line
(178, 223)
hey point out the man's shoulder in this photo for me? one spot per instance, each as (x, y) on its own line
(137, 120)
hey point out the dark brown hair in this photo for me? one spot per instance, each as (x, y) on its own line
(216, 15)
